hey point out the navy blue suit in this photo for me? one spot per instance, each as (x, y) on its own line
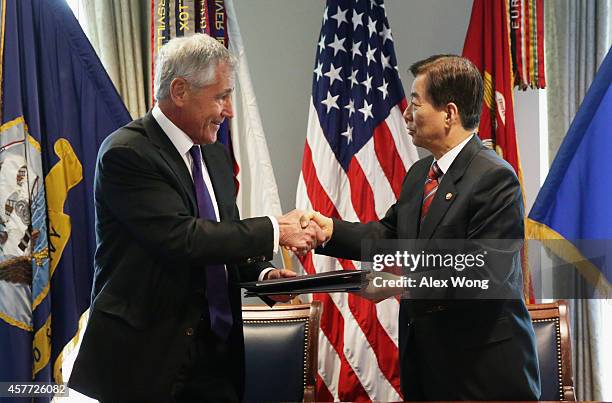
(148, 296)
(459, 349)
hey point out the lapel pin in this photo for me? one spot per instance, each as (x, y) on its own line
(448, 196)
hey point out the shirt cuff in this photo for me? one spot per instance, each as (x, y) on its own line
(263, 273)
(276, 233)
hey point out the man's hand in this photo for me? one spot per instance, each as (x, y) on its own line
(384, 290)
(326, 224)
(298, 235)
(279, 273)
(276, 274)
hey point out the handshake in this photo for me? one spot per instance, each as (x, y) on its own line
(300, 231)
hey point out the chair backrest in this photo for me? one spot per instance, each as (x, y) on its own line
(281, 352)
(551, 325)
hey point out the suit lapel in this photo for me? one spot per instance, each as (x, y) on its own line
(171, 156)
(215, 162)
(411, 207)
(439, 206)
(448, 191)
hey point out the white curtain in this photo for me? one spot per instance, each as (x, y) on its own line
(578, 34)
(118, 31)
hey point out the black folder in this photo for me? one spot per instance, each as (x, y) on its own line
(334, 281)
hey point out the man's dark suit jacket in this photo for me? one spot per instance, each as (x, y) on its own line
(149, 286)
(459, 349)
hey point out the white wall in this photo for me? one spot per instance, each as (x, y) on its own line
(424, 28)
(532, 139)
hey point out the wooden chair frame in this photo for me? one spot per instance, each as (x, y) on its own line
(557, 311)
(279, 313)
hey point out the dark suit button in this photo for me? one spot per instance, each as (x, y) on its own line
(438, 308)
(189, 331)
(262, 258)
(249, 260)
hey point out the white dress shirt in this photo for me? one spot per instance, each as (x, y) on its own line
(183, 143)
(447, 159)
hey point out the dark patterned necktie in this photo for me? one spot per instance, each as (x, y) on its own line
(431, 187)
(216, 277)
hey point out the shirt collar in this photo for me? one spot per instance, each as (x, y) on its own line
(181, 141)
(447, 159)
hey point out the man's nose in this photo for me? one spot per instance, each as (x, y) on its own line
(408, 113)
(228, 108)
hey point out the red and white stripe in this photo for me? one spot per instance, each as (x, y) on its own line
(358, 342)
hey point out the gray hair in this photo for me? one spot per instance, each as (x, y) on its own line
(193, 57)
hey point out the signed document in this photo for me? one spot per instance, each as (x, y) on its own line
(335, 281)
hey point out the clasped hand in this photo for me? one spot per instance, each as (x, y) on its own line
(301, 231)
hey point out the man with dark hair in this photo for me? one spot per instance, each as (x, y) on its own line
(454, 349)
(453, 79)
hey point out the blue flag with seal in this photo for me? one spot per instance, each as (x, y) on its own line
(572, 214)
(57, 105)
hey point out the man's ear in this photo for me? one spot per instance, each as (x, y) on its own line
(452, 115)
(178, 91)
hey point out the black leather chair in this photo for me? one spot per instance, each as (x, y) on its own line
(551, 325)
(281, 352)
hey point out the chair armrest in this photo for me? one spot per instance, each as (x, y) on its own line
(569, 393)
(309, 394)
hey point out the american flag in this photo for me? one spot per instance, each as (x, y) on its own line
(356, 155)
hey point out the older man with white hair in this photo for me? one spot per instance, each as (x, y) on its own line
(165, 322)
